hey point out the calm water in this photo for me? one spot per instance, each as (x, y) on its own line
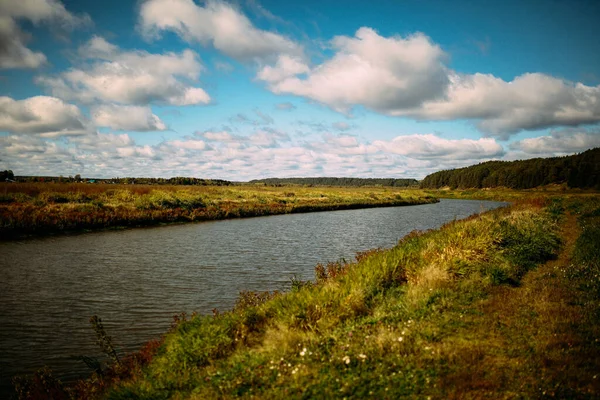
(136, 280)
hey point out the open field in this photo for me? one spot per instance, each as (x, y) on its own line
(513, 195)
(48, 208)
(501, 305)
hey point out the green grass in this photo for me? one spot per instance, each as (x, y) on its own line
(376, 329)
(502, 305)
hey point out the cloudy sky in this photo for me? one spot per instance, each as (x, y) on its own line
(245, 89)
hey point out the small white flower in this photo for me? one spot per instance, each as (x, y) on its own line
(400, 339)
(362, 356)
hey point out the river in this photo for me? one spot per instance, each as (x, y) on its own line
(137, 279)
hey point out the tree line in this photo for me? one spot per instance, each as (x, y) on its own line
(7, 175)
(577, 171)
(179, 180)
(330, 181)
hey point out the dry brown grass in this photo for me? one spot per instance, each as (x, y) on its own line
(524, 341)
(49, 208)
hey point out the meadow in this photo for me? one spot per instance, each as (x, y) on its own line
(49, 208)
(505, 304)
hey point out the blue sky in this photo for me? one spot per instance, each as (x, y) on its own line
(250, 89)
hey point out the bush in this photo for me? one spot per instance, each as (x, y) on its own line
(527, 244)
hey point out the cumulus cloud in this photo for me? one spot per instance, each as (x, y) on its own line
(216, 23)
(33, 155)
(285, 67)
(341, 141)
(383, 74)
(566, 141)
(102, 141)
(530, 101)
(129, 77)
(430, 146)
(42, 115)
(127, 118)
(407, 76)
(266, 138)
(221, 136)
(98, 47)
(220, 154)
(13, 50)
(190, 144)
(261, 138)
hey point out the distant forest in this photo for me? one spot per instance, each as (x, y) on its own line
(578, 171)
(179, 180)
(325, 181)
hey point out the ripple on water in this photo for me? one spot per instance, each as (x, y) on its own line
(136, 280)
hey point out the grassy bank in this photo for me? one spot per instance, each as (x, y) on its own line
(502, 305)
(513, 195)
(48, 208)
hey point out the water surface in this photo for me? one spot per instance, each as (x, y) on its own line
(136, 280)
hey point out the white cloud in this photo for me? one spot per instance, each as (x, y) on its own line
(530, 101)
(102, 141)
(42, 11)
(42, 115)
(225, 156)
(260, 138)
(13, 50)
(134, 77)
(567, 141)
(136, 151)
(341, 141)
(218, 136)
(190, 144)
(98, 47)
(380, 73)
(32, 155)
(430, 146)
(127, 118)
(216, 23)
(286, 67)
(407, 77)
(267, 139)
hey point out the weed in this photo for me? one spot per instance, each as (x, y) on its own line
(104, 340)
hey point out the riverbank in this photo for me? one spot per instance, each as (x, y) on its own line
(34, 209)
(503, 304)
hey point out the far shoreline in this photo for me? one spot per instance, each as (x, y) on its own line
(38, 210)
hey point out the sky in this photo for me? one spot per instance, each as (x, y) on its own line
(249, 89)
